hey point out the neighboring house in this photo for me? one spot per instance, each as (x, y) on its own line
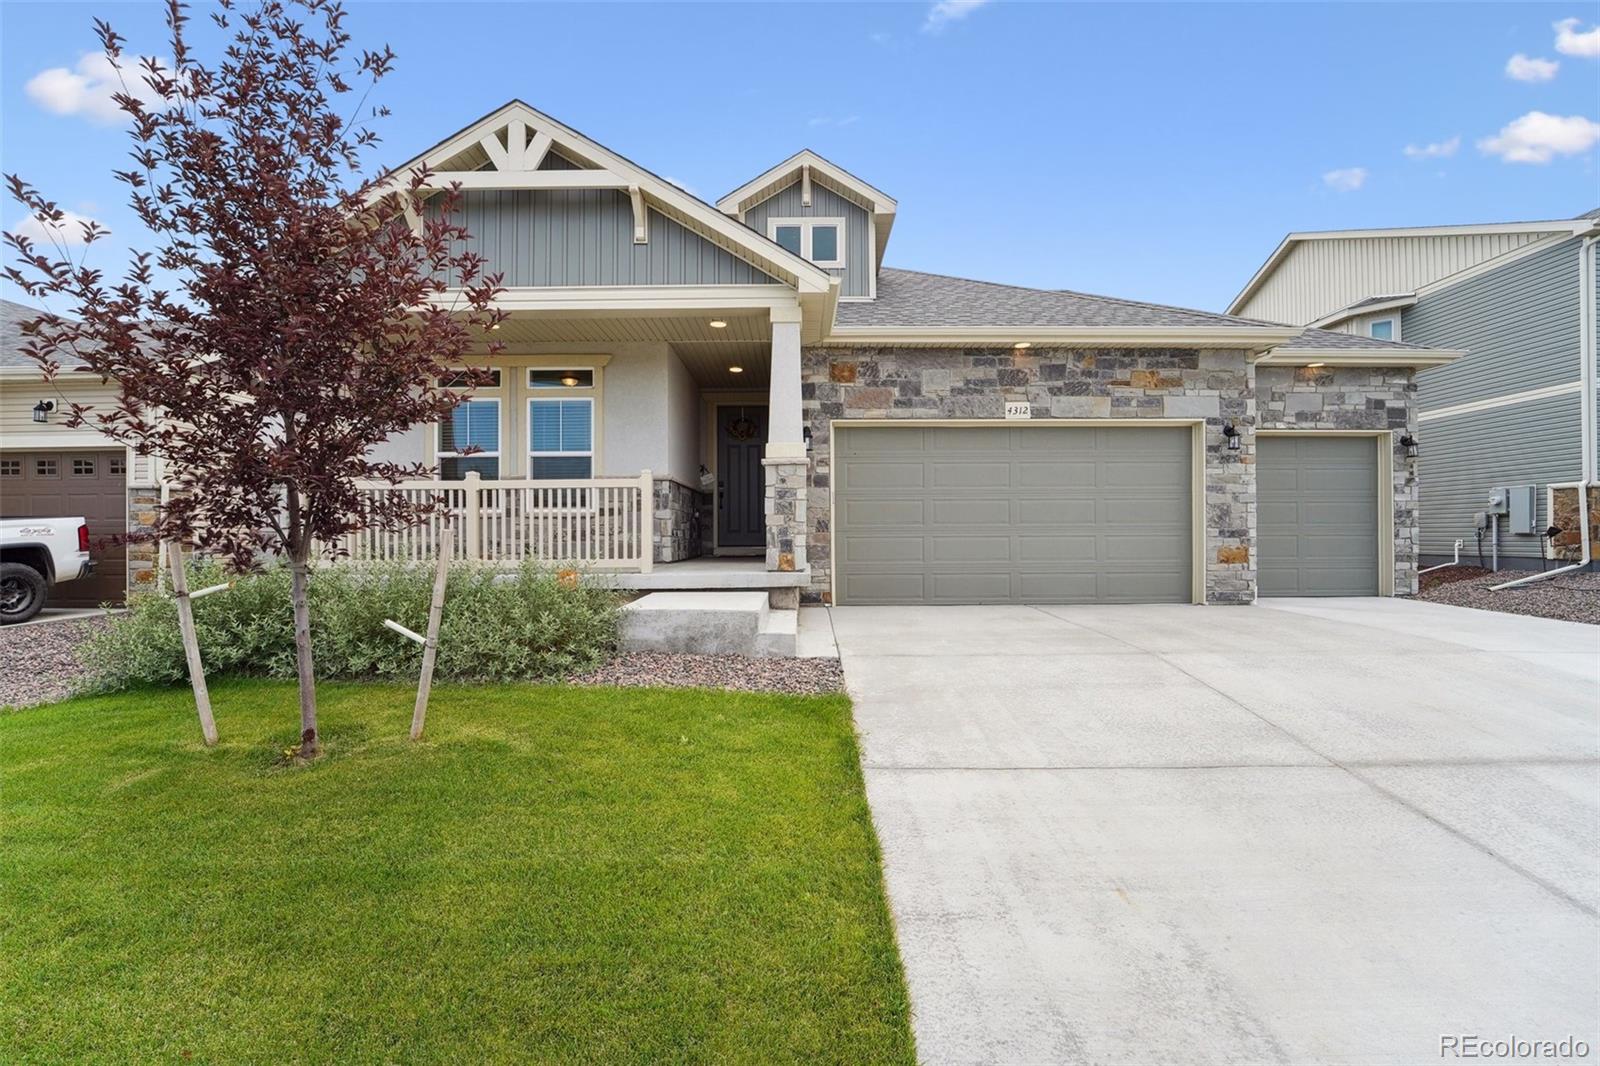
(684, 379)
(1518, 413)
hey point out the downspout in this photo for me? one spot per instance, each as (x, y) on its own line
(1586, 412)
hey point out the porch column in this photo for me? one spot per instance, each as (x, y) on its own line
(786, 465)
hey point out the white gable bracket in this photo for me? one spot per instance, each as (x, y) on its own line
(805, 185)
(534, 155)
(641, 222)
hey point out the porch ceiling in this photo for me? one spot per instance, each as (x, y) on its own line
(621, 327)
(709, 363)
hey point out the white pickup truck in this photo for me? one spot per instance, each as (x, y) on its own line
(36, 553)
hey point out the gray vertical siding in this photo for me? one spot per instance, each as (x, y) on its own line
(825, 203)
(1464, 456)
(1520, 327)
(585, 237)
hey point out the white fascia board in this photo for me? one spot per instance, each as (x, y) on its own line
(1345, 313)
(1565, 226)
(697, 213)
(875, 200)
(1419, 358)
(579, 301)
(1253, 337)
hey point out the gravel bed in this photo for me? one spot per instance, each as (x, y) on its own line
(1571, 597)
(734, 672)
(39, 661)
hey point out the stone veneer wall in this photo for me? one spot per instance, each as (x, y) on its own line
(143, 500)
(786, 513)
(876, 382)
(1568, 544)
(1353, 398)
(676, 525)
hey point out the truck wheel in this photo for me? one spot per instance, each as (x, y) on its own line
(22, 592)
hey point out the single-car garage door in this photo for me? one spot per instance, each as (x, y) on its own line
(67, 484)
(1317, 516)
(925, 513)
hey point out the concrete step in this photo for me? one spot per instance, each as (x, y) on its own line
(708, 623)
(779, 636)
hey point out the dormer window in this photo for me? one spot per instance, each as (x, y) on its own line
(820, 240)
(1381, 329)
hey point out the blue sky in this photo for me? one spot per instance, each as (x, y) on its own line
(1150, 151)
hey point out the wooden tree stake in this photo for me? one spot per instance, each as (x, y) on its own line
(191, 642)
(430, 646)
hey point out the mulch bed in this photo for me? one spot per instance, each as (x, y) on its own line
(1571, 597)
(39, 661)
(734, 672)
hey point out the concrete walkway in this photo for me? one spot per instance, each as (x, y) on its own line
(1306, 831)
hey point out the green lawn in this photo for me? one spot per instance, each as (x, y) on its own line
(551, 875)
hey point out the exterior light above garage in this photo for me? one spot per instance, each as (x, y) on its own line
(1233, 436)
(1409, 443)
(42, 409)
(717, 323)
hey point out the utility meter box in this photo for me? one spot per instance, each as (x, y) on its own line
(1523, 501)
(1499, 502)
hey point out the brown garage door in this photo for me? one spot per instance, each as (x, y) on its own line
(64, 484)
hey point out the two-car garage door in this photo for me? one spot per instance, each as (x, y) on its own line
(936, 514)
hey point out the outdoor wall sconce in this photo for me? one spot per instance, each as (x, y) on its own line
(1409, 443)
(42, 409)
(1231, 432)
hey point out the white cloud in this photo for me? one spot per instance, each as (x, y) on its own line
(945, 12)
(1346, 179)
(69, 232)
(1434, 150)
(89, 89)
(1531, 68)
(685, 186)
(1569, 42)
(1538, 138)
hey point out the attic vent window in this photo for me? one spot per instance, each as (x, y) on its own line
(820, 240)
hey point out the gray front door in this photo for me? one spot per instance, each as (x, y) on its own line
(1009, 514)
(1317, 516)
(741, 486)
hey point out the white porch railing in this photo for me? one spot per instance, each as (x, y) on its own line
(597, 523)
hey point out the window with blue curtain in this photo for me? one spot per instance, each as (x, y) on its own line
(473, 424)
(561, 438)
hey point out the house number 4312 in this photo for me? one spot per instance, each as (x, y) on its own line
(1019, 410)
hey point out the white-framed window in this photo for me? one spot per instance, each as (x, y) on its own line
(820, 240)
(474, 424)
(1382, 329)
(561, 437)
(540, 378)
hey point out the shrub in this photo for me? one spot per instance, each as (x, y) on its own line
(522, 625)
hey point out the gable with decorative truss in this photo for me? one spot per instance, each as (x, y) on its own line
(547, 206)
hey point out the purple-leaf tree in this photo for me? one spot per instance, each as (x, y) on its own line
(291, 314)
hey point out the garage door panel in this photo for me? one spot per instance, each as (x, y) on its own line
(1317, 516)
(872, 513)
(967, 511)
(1033, 549)
(1057, 512)
(1038, 514)
(959, 549)
(967, 474)
(870, 474)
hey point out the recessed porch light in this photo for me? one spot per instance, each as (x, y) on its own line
(1020, 345)
(494, 325)
(717, 323)
(736, 370)
(1313, 366)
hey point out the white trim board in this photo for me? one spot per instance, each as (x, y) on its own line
(1548, 392)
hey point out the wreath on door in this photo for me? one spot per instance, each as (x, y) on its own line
(742, 428)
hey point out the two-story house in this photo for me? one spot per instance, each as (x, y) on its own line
(1506, 434)
(743, 395)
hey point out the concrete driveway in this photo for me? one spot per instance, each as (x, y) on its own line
(1310, 831)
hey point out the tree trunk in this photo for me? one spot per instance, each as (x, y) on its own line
(310, 741)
